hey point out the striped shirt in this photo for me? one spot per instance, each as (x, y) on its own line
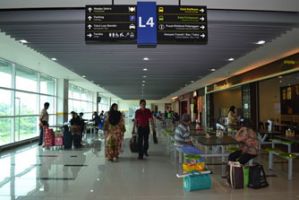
(182, 134)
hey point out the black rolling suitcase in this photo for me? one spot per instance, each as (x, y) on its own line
(134, 144)
(67, 137)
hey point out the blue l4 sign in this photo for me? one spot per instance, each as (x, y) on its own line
(147, 23)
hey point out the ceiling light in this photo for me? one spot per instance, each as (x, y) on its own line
(261, 42)
(23, 41)
(213, 69)
(144, 69)
(143, 81)
(91, 190)
(83, 76)
(144, 76)
(145, 58)
(280, 77)
(231, 59)
(143, 85)
(54, 59)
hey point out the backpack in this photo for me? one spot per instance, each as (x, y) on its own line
(257, 177)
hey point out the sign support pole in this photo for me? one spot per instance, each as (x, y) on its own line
(112, 2)
(179, 2)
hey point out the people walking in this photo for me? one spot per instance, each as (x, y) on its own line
(143, 117)
(114, 129)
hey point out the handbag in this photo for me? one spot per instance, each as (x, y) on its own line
(257, 177)
(236, 175)
(155, 139)
(75, 129)
(134, 144)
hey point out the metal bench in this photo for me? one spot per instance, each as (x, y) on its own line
(285, 155)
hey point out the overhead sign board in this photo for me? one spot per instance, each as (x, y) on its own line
(146, 24)
(110, 23)
(182, 24)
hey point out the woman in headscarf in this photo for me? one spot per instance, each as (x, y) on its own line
(114, 129)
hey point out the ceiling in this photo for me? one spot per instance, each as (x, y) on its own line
(118, 68)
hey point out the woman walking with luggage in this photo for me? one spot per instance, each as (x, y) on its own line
(114, 129)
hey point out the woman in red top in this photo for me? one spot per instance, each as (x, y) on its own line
(143, 117)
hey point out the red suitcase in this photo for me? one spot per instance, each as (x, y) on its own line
(48, 137)
(58, 141)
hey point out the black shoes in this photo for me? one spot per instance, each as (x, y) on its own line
(146, 154)
(140, 158)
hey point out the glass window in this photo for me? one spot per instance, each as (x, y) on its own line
(6, 125)
(51, 100)
(26, 79)
(26, 127)
(47, 85)
(80, 100)
(26, 104)
(5, 74)
(5, 102)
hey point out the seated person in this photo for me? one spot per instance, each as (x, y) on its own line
(182, 131)
(249, 144)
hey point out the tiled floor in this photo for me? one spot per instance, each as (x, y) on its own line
(36, 174)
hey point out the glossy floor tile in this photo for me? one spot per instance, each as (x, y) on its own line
(34, 173)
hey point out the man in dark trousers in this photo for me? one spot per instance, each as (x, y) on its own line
(143, 117)
(43, 121)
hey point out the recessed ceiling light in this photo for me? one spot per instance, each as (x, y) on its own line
(280, 77)
(261, 42)
(144, 69)
(144, 76)
(231, 59)
(213, 69)
(23, 41)
(83, 76)
(143, 81)
(143, 85)
(91, 190)
(54, 59)
(146, 58)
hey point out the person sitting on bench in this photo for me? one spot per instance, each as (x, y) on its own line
(182, 132)
(249, 144)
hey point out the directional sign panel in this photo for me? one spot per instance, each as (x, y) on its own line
(182, 24)
(110, 23)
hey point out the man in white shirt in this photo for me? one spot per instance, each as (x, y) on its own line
(43, 121)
